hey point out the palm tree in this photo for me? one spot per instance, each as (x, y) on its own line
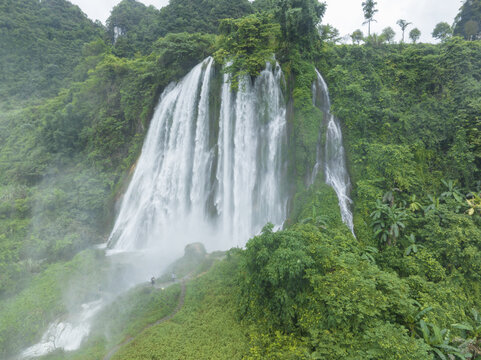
(369, 10)
(403, 24)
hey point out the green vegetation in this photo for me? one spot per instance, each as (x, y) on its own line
(414, 35)
(247, 44)
(468, 22)
(205, 328)
(76, 100)
(41, 42)
(25, 317)
(133, 27)
(442, 31)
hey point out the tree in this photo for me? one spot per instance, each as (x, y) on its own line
(199, 16)
(274, 276)
(468, 22)
(442, 31)
(329, 33)
(388, 34)
(403, 24)
(247, 43)
(471, 29)
(357, 36)
(299, 20)
(414, 35)
(368, 7)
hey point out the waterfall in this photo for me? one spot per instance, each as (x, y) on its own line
(211, 176)
(205, 176)
(333, 160)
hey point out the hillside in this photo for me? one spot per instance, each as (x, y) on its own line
(41, 42)
(78, 99)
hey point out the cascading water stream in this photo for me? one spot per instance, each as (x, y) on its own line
(333, 160)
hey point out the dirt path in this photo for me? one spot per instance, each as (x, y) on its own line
(128, 340)
(180, 303)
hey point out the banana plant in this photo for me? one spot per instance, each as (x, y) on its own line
(411, 246)
(388, 222)
(433, 206)
(472, 329)
(412, 320)
(368, 254)
(451, 191)
(438, 341)
(471, 333)
(414, 205)
(319, 221)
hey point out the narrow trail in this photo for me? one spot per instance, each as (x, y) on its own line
(179, 306)
(128, 340)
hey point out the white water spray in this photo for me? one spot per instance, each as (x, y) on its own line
(333, 160)
(67, 335)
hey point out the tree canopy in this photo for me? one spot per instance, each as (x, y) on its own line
(442, 31)
(468, 22)
(40, 42)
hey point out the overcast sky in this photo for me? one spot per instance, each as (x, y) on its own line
(345, 15)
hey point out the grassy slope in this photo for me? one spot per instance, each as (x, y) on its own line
(126, 317)
(24, 317)
(205, 328)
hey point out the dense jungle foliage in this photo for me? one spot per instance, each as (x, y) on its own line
(75, 102)
(40, 43)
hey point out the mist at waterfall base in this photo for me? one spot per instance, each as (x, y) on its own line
(212, 170)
